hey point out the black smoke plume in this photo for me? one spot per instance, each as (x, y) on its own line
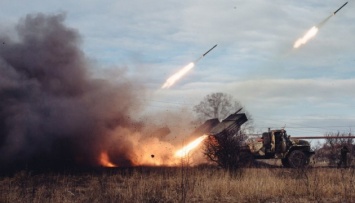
(53, 112)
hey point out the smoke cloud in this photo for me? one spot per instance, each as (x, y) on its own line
(53, 111)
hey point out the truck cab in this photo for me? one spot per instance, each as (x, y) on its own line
(276, 144)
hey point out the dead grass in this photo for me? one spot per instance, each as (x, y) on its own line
(182, 185)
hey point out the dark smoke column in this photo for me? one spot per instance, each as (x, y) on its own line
(53, 113)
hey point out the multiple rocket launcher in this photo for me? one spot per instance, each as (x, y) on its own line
(232, 123)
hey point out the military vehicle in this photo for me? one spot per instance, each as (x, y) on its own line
(274, 144)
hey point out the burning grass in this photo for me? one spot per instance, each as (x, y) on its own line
(182, 185)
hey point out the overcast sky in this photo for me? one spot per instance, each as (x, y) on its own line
(310, 90)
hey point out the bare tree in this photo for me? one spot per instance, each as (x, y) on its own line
(224, 149)
(330, 150)
(228, 151)
(220, 105)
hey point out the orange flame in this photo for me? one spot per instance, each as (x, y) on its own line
(172, 79)
(155, 152)
(105, 160)
(189, 147)
(310, 34)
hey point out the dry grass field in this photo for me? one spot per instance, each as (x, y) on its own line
(182, 185)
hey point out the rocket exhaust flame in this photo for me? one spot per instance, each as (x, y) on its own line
(309, 35)
(189, 147)
(172, 79)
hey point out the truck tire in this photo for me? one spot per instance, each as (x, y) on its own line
(297, 159)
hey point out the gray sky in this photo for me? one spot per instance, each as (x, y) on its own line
(309, 90)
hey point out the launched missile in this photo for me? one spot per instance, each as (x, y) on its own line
(339, 8)
(172, 79)
(209, 50)
(314, 30)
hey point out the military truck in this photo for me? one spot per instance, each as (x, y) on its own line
(274, 144)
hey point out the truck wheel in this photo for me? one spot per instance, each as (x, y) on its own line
(297, 159)
(285, 163)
